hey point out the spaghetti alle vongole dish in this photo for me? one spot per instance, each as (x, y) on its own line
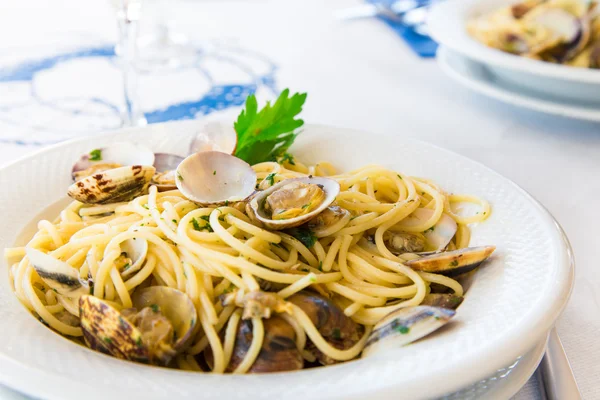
(558, 31)
(207, 263)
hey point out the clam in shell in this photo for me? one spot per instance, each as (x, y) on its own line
(404, 326)
(213, 178)
(452, 263)
(57, 274)
(292, 202)
(115, 155)
(158, 327)
(113, 185)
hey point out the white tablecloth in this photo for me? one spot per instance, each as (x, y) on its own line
(357, 75)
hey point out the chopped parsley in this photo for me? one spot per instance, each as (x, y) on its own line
(266, 134)
(206, 226)
(126, 266)
(174, 221)
(145, 206)
(179, 177)
(320, 265)
(313, 279)
(214, 172)
(139, 341)
(304, 207)
(96, 155)
(108, 340)
(304, 235)
(287, 157)
(403, 329)
(154, 307)
(336, 334)
(270, 178)
(454, 263)
(431, 229)
(399, 177)
(226, 203)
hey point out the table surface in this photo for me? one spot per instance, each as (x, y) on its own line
(361, 75)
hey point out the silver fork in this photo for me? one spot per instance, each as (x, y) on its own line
(555, 376)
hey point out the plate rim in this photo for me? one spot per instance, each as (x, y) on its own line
(452, 36)
(537, 325)
(512, 97)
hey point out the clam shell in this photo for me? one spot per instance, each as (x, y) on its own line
(122, 153)
(164, 162)
(444, 300)
(213, 178)
(57, 274)
(136, 250)
(113, 186)
(256, 204)
(215, 136)
(442, 233)
(404, 326)
(452, 263)
(106, 330)
(175, 305)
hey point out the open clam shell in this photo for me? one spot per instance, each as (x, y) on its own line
(113, 185)
(452, 263)
(112, 156)
(165, 164)
(57, 274)
(215, 136)
(257, 210)
(111, 331)
(438, 236)
(175, 305)
(213, 178)
(404, 326)
(444, 300)
(136, 251)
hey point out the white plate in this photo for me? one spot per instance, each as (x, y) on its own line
(447, 24)
(477, 76)
(510, 305)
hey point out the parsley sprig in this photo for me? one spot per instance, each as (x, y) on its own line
(266, 135)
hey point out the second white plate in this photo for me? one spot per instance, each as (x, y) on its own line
(477, 77)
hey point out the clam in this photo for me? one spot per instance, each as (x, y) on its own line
(158, 327)
(439, 235)
(112, 156)
(331, 322)
(133, 255)
(404, 242)
(292, 202)
(404, 326)
(113, 185)
(444, 300)
(519, 10)
(215, 136)
(57, 274)
(165, 164)
(452, 263)
(328, 218)
(278, 352)
(213, 178)
(257, 304)
(568, 34)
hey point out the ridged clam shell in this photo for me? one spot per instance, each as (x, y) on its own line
(113, 186)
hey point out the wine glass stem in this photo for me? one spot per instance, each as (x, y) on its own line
(128, 27)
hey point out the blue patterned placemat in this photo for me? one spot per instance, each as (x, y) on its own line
(424, 46)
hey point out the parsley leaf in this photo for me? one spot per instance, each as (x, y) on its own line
(96, 155)
(304, 235)
(270, 178)
(266, 135)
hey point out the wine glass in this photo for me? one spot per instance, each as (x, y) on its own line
(128, 15)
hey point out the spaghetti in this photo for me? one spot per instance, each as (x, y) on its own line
(212, 252)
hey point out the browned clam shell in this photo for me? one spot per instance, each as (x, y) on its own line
(108, 330)
(443, 300)
(278, 352)
(452, 263)
(113, 185)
